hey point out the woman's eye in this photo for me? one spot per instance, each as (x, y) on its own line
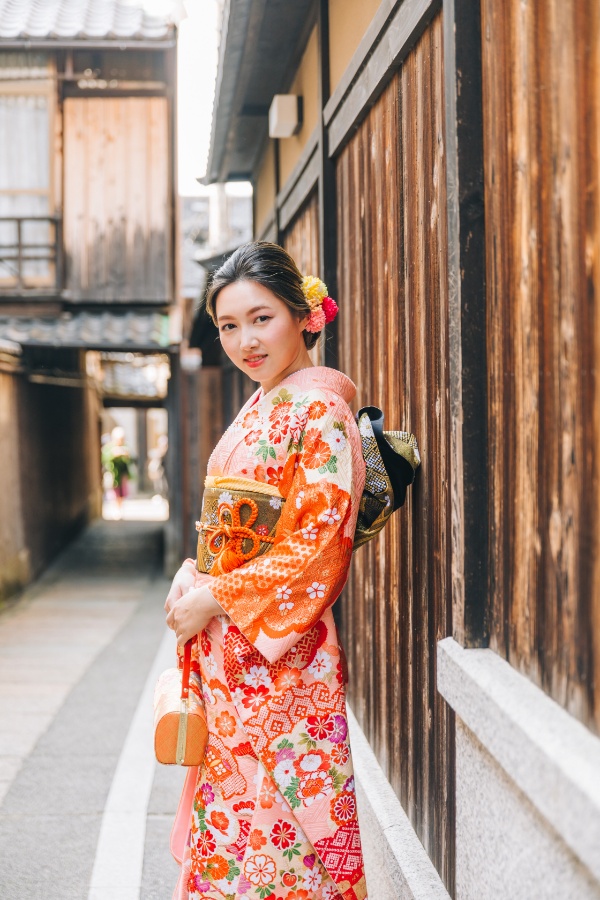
(263, 318)
(227, 327)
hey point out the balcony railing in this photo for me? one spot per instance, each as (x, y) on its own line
(30, 255)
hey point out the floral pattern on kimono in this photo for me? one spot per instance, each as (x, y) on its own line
(274, 810)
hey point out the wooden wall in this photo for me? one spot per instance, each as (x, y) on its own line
(117, 213)
(60, 472)
(392, 285)
(301, 238)
(14, 555)
(541, 81)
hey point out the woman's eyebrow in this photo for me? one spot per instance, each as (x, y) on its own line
(250, 312)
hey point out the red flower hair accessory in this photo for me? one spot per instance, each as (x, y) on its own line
(323, 309)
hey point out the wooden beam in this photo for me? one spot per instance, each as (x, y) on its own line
(467, 312)
(326, 183)
(393, 44)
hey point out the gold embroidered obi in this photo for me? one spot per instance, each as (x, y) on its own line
(238, 522)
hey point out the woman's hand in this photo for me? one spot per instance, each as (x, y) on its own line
(191, 613)
(186, 578)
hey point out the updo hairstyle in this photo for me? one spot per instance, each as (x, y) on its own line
(267, 264)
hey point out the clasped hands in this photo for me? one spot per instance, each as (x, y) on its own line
(190, 605)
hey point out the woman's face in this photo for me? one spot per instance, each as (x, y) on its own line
(259, 333)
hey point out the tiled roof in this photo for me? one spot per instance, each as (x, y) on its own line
(98, 330)
(87, 19)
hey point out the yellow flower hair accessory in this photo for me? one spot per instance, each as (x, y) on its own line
(314, 290)
(323, 309)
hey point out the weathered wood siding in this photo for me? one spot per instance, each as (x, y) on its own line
(301, 238)
(117, 215)
(392, 285)
(541, 82)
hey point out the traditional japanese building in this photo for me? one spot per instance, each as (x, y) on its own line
(88, 237)
(437, 164)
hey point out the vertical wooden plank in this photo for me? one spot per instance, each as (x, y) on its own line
(393, 343)
(542, 91)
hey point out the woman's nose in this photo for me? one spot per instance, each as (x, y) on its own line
(248, 339)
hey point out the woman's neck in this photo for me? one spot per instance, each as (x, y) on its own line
(302, 362)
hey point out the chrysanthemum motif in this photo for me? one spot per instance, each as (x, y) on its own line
(275, 502)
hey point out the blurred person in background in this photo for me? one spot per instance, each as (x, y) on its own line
(116, 459)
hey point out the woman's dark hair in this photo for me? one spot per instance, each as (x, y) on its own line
(269, 265)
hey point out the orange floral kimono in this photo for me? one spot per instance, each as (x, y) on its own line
(272, 811)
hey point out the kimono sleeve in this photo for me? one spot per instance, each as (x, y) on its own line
(277, 597)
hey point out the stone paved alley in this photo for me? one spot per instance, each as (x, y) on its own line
(84, 810)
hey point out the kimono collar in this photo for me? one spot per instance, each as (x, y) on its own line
(320, 377)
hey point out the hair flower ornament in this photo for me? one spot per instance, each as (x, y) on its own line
(323, 308)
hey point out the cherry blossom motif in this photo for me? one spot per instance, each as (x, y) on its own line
(299, 499)
(252, 437)
(258, 675)
(256, 839)
(260, 869)
(206, 793)
(320, 727)
(330, 892)
(330, 516)
(336, 439)
(225, 725)
(365, 427)
(310, 533)
(314, 786)
(211, 664)
(268, 793)
(313, 879)
(254, 697)
(279, 423)
(285, 607)
(316, 589)
(283, 834)
(288, 678)
(206, 844)
(320, 665)
(274, 475)
(297, 423)
(283, 592)
(250, 419)
(343, 807)
(340, 730)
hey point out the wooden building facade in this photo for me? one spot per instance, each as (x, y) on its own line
(88, 234)
(444, 182)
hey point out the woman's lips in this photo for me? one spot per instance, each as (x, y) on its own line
(254, 361)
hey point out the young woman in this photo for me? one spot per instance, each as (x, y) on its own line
(272, 810)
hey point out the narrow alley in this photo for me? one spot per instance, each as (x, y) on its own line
(84, 809)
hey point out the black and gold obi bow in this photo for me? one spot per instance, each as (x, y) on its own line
(392, 458)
